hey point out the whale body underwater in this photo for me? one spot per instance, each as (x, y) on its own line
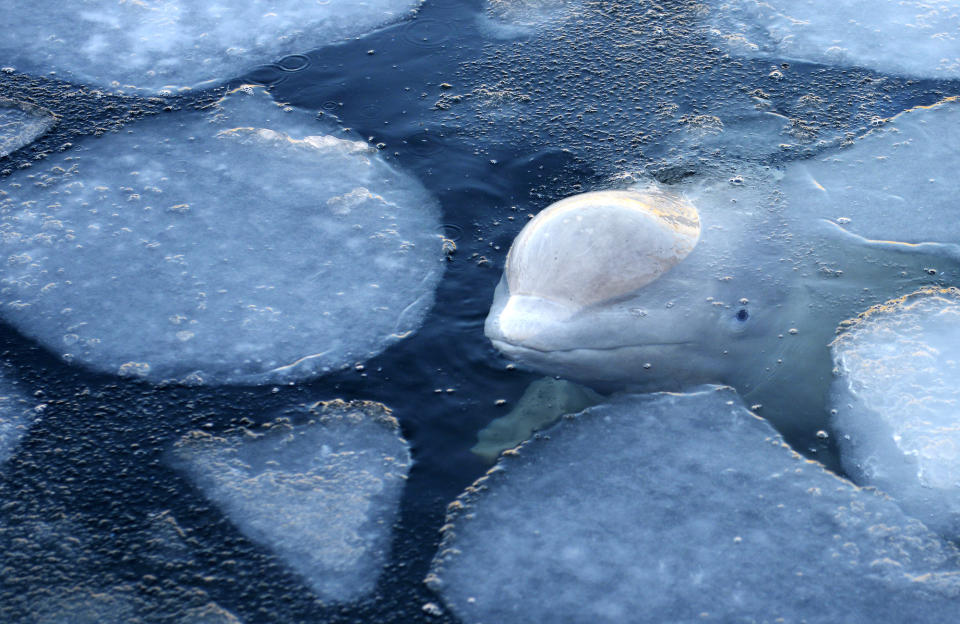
(742, 281)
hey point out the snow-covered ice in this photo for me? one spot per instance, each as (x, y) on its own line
(905, 37)
(321, 489)
(241, 244)
(20, 124)
(681, 508)
(897, 403)
(162, 46)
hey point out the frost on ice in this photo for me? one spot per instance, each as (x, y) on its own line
(683, 507)
(906, 37)
(320, 490)
(242, 244)
(163, 46)
(897, 402)
(21, 123)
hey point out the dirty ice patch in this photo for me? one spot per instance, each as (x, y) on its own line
(162, 46)
(682, 507)
(895, 188)
(896, 402)
(20, 124)
(320, 490)
(241, 244)
(903, 37)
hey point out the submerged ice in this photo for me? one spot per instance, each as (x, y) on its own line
(683, 507)
(321, 490)
(908, 37)
(166, 45)
(241, 244)
(20, 124)
(897, 403)
(16, 414)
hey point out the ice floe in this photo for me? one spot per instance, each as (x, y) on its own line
(241, 244)
(162, 46)
(20, 124)
(896, 402)
(683, 507)
(321, 490)
(905, 37)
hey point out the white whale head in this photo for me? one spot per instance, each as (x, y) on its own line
(629, 288)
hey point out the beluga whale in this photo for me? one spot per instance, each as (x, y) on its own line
(740, 280)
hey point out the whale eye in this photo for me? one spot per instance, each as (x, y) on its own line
(742, 315)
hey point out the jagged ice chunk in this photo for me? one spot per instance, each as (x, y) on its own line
(322, 491)
(682, 507)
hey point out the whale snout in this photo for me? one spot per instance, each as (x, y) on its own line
(523, 322)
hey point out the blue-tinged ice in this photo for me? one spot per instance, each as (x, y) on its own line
(320, 490)
(163, 46)
(20, 124)
(242, 244)
(904, 37)
(896, 402)
(682, 508)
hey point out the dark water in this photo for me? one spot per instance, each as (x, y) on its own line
(590, 94)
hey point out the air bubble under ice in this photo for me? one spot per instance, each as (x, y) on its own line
(897, 402)
(906, 37)
(681, 508)
(162, 46)
(321, 492)
(242, 244)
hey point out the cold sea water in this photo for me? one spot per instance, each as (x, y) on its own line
(497, 119)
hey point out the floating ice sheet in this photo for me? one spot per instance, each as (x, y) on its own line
(905, 37)
(681, 508)
(243, 244)
(897, 402)
(21, 123)
(322, 494)
(161, 46)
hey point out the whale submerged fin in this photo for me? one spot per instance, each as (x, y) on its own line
(943, 250)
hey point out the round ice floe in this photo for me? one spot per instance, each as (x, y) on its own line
(909, 37)
(897, 403)
(166, 45)
(601, 245)
(242, 244)
(21, 123)
(682, 508)
(321, 492)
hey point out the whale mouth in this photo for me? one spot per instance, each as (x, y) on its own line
(510, 348)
